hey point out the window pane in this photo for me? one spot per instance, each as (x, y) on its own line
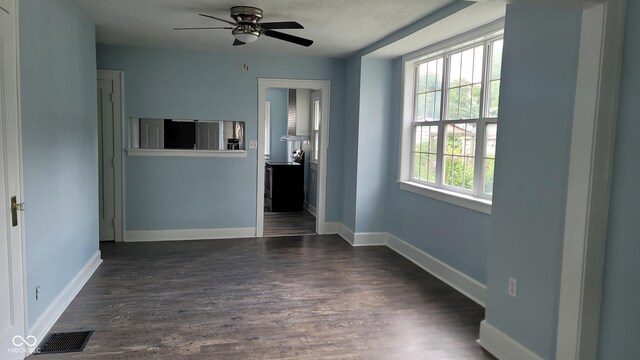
(420, 107)
(465, 102)
(459, 155)
(454, 70)
(466, 71)
(496, 59)
(422, 78)
(477, 64)
(489, 165)
(430, 112)
(454, 101)
(494, 98)
(490, 140)
(438, 101)
(476, 92)
(425, 153)
(316, 145)
(316, 115)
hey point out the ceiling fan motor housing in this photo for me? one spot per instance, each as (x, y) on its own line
(246, 15)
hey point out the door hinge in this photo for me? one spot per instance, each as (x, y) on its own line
(15, 207)
(113, 162)
(111, 97)
(113, 223)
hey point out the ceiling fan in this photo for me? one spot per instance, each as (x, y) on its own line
(247, 27)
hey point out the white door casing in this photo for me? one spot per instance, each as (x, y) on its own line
(14, 343)
(324, 87)
(110, 154)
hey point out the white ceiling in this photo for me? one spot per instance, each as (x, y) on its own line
(467, 19)
(338, 27)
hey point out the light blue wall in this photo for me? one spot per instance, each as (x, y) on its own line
(350, 141)
(373, 144)
(182, 193)
(621, 293)
(527, 223)
(60, 145)
(278, 99)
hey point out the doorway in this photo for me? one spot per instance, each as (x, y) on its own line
(13, 340)
(110, 154)
(291, 189)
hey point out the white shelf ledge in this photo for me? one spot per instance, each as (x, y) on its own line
(187, 152)
(469, 202)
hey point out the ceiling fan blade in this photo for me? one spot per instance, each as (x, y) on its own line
(237, 42)
(281, 25)
(203, 28)
(290, 38)
(217, 18)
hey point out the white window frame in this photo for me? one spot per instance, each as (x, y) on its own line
(267, 126)
(476, 199)
(315, 131)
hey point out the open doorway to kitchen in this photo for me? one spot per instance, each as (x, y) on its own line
(293, 121)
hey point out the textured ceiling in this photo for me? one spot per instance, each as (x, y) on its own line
(338, 27)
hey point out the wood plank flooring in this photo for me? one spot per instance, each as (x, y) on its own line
(289, 223)
(311, 297)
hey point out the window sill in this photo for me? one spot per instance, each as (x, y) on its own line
(469, 202)
(192, 153)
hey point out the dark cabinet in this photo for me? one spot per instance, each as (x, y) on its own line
(284, 187)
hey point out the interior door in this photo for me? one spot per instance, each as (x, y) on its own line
(107, 158)
(12, 329)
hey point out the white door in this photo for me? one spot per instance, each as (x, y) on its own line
(12, 328)
(110, 125)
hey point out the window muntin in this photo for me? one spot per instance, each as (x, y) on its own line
(454, 123)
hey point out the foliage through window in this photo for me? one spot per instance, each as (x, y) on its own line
(455, 116)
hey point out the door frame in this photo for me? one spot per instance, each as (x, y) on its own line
(325, 87)
(589, 182)
(15, 132)
(118, 143)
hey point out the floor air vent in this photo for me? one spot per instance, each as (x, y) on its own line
(65, 342)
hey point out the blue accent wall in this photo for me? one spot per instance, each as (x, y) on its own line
(376, 76)
(620, 314)
(350, 141)
(540, 61)
(60, 146)
(165, 193)
(279, 105)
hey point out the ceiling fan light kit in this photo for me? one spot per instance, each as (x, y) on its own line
(247, 27)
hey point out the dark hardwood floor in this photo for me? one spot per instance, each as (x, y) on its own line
(311, 297)
(289, 223)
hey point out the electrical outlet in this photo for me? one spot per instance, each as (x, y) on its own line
(513, 287)
(253, 144)
(37, 292)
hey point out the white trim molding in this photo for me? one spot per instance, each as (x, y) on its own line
(468, 286)
(502, 345)
(325, 87)
(53, 312)
(463, 283)
(451, 197)
(182, 152)
(589, 183)
(311, 209)
(188, 234)
(370, 239)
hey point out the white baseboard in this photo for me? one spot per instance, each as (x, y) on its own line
(471, 288)
(468, 286)
(502, 345)
(370, 239)
(188, 234)
(311, 209)
(49, 317)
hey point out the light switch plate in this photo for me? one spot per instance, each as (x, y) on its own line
(253, 144)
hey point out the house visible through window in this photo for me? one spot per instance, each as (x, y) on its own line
(451, 112)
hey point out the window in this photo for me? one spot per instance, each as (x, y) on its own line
(267, 129)
(315, 136)
(451, 116)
